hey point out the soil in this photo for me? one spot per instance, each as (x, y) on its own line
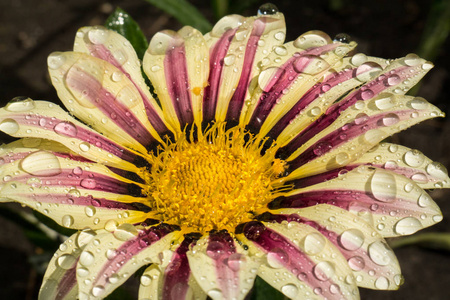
(30, 30)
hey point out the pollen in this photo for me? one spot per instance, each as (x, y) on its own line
(216, 182)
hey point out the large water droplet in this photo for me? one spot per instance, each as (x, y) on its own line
(84, 237)
(393, 79)
(277, 258)
(229, 59)
(9, 126)
(125, 232)
(380, 253)
(98, 35)
(289, 290)
(90, 211)
(215, 294)
(390, 119)
(310, 39)
(146, 280)
(382, 283)
(383, 186)
(86, 258)
(310, 64)
(356, 263)
(56, 60)
(20, 104)
(413, 60)
(351, 239)
(407, 226)
(367, 71)
(358, 59)
(314, 243)
(424, 200)
(342, 38)
(66, 261)
(67, 220)
(267, 9)
(41, 163)
(98, 290)
(414, 158)
(66, 129)
(88, 183)
(324, 270)
(437, 170)
(384, 101)
(266, 76)
(235, 261)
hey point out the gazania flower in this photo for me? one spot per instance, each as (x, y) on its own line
(259, 158)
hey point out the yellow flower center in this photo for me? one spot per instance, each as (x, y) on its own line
(215, 182)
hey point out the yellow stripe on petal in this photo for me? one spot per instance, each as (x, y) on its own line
(358, 242)
(49, 121)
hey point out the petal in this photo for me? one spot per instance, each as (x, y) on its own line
(237, 45)
(172, 279)
(174, 63)
(354, 132)
(72, 192)
(284, 78)
(112, 47)
(221, 268)
(103, 97)
(372, 261)
(47, 120)
(60, 277)
(392, 203)
(108, 260)
(407, 162)
(293, 268)
(396, 78)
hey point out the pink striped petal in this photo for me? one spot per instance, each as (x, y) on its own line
(300, 262)
(221, 268)
(371, 260)
(107, 261)
(392, 203)
(112, 47)
(46, 120)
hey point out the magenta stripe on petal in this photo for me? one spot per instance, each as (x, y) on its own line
(66, 128)
(309, 97)
(237, 101)
(318, 178)
(128, 250)
(177, 80)
(67, 282)
(366, 92)
(281, 252)
(100, 51)
(118, 113)
(217, 55)
(177, 273)
(362, 123)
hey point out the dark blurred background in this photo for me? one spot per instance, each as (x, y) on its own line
(30, 30)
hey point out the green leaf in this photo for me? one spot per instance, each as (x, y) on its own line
(184, 12)
(264, 291)
(122, 23)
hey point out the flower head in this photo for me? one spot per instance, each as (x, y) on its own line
(258, 158)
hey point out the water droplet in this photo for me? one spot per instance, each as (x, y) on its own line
(280, 35)
(427, 66)
(314, 243)
(146, 280)
(66, 129)
(9, 126)
(56, 60)
(116, 76)
(367, 94)
(266, 76)
(437, 218)
(393, 79)
(342, 38)
(84, 237)
(67, 221)
(280, 50)
(380, 253)
(86, 258)
(408, 187)
(324, 270)
(412, 60)
(419, 103)
(437, 170)
(390, 119)
(98, 290)
(351, 239)
(310, 64)
(41, 163)
(20, 104)
(342, 158)
(66, 261)
(310, 39)
(90, 211)
(356, 263)
(368, 71)
(424, 200)
(315, 111)
(289, 290)
(267, 9)
(82, 272)
(382, 283)
(84, 146)
(384, 101)
(407, 226)
(229, 59)
(335, 289)
(98, 35)
(125, 232)
(215, 294)
(88, 183)
(383, 186)
(277, 258)
(358, 59)
(414, 158)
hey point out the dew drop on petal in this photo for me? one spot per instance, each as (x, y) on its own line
(215, 294)
(414, 158)
(41, 163)
(146, 280)
(66, 129)
(229, 59)
(84, 146)
(384, 101)
(437, 170)
(314, 243)
(382, 283)
(56, 60)
(324, 270)
(90, 211)
(266, 76)
(277, 258)
(289, 290)
(310, 39)
(82, 272)
(98, 290)
(86, 258)
(380, 253)
(413, 60)
(393, 79)
(383, 186)
(390, 119)
(342, 38)
(66, 261)
(67, 220)
(351, 239)
(9, 126)
(125, 232)
(367, 71)
(20, 104)
(356, 263)
(235, 261)
(98, 36)
(84, 237)
(358, 59)
(408, 225)
(419, 103)
(267, 9)
(424, 200)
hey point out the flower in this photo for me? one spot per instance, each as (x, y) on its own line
(262, 159)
